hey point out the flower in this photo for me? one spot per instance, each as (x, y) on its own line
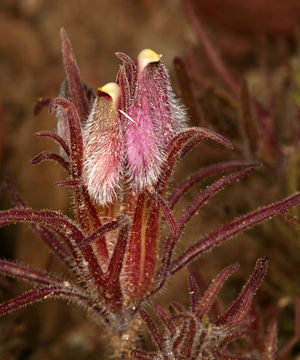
(103, 146)
(128, 128)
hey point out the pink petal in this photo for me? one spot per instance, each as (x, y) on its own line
(143, 154)
(103, 146)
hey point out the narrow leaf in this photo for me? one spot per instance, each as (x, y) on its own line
(51, 156)
(206, 194)
(166, 211)
(75, 83)
(177, 144)
(239, 308)
(125, 93)
(56, 138)
(28, 273)
(129, 69)
(54, 221)
(194, 206)
(38, 294)
(76, 142)
(214, 288)
(153, 330)
(105, 228)
(164, 318)
(205, 172)
(194, 293)
(235, 335)
(113, 289)
(67, 183)
(236, 226)
(47, 236)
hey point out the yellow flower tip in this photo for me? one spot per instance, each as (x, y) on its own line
(111, 90)
(146, 57)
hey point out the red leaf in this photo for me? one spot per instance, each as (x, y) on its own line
(56, 138)
(236, 226)
(76, 87)
(51, 156)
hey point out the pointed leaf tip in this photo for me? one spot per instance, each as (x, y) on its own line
(76, 86)
(238, 310)
(212, 291)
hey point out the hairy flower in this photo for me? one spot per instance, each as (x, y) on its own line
(128, 128)
(103, 146)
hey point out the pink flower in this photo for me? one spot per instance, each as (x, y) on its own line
(128, 129)
(103, 145)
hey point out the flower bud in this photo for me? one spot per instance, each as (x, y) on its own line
(155, 118)
(103, 145)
